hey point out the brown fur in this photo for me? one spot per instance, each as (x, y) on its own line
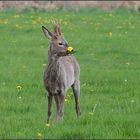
(61, 73)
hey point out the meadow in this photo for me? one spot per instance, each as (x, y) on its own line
(107, 45)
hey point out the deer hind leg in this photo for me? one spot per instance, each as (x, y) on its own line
(49, 107)
(76, 91)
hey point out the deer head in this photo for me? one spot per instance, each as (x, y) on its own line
(58, 45)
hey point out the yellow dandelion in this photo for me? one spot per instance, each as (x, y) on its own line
(19, 87)
(125, 80)
(43, 65)
(19, 97)
(39, 135)
(47, 125)
(39, 18)
(127, 63)
(24, 67)
(5, 22)
(17, 25)
(66, 100)
(132, 101)
(110, 34)
(15, 16)
(65, 23)
(70, 49)
(110, 15)
(34, 22)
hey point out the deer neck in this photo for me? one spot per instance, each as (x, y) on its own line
(52, 58)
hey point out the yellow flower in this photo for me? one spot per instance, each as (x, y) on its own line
(43, 65)
(66, 100)
(19, 97)
(34, 22)
(24, 67)
(18, 26)
(65, 23)
(47, 125)
(70, 49)
(19, 87)
(5, 22)
(39, 18)
(16, 16)
(110, 15)
(110, 34)
(39, 135)
(127, 63)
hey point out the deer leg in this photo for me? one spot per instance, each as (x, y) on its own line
(61, 98)
(56, 97)
(49, 107)
(76, 91)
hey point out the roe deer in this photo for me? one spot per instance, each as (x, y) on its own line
(61, 73)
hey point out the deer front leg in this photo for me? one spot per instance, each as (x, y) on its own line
(59, 99)
(76, 91)
(56, 97)
(49, 107)
(61, 113)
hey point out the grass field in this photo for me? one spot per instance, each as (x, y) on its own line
(108, 50)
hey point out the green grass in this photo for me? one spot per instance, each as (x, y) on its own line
(108, 50)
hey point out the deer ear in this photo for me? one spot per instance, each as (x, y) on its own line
(57, 30)
(47, 33)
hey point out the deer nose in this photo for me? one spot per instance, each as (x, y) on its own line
(70, 49)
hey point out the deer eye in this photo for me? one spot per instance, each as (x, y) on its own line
(60, 43)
